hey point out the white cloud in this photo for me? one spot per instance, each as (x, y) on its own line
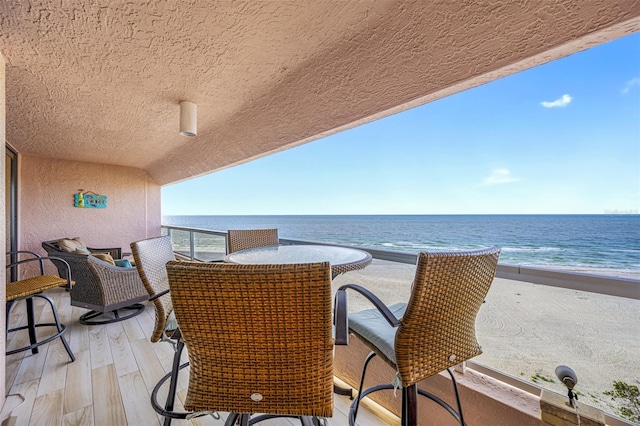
(562, 102)
(630, 84)
(499, 176)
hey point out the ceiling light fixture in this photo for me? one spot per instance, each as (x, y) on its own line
(188, 118)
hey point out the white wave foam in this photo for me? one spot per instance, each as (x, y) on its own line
(531, 249)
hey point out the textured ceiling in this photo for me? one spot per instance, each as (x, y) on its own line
(100, 81)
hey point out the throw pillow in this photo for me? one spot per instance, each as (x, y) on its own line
(70, 245)
(123, 263)
(105, 257)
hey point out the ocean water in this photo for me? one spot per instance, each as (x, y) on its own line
(582, 241)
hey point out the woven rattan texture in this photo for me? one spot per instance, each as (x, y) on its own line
(118, 284)
(98, 283)
(256, 330)
(241, 239)
(30, 286)
(87, 288)
(151, 256)
(438, 328)
(354, 266)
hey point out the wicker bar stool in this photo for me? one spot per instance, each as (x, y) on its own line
(259, 339)
(241, 239)
(434, 331)
(29, 288)
(151, 256)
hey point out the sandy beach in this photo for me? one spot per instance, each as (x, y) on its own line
(526, 330)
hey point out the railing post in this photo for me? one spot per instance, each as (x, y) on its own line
(192, 245)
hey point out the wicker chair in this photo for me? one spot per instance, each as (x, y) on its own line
(434, 331)
(111, 293)
(151, 256)
(29, 288)
(259, 339)
(241, 239)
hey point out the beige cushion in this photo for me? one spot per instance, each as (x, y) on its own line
(106, 257)
(70, 245)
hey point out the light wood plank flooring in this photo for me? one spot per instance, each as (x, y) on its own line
(111, 380)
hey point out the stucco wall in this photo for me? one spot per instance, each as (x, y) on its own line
(46, 211)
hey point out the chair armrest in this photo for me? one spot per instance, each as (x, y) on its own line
(41, 259)
(34, 254)
(341, 318)
(117, 282)
(24, 251)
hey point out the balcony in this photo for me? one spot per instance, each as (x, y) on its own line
(86, 102)
(524, 328)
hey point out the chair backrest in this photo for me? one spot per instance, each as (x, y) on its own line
(259, 336)
(241, 239)
(51, 246)
(54, 247)
(151, 256)
(437, 330)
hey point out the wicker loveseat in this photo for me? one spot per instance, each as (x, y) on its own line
(106, 290)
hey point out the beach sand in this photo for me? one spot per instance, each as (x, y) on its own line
(527, 330)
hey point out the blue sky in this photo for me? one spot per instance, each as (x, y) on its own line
(561, 138)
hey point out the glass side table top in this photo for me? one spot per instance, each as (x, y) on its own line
(342, 259)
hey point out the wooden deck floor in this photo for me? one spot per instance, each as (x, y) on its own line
(111, 380)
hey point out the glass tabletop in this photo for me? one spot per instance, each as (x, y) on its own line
(342, 259)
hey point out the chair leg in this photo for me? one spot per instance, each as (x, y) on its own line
(306, 421)
(61, 328)
(173, 383)
(231, 419)
(32, 325)
(366, 392)
(353, 412)
(403, 407)
(9, 306)
(410, 405)
(167, 411)
(455, 390)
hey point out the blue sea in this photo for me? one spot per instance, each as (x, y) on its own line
(582, 241)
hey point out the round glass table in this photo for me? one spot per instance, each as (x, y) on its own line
(342, 259)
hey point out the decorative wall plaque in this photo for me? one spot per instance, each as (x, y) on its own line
(89, 200)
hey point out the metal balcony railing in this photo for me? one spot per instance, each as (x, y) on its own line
(612, 286)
